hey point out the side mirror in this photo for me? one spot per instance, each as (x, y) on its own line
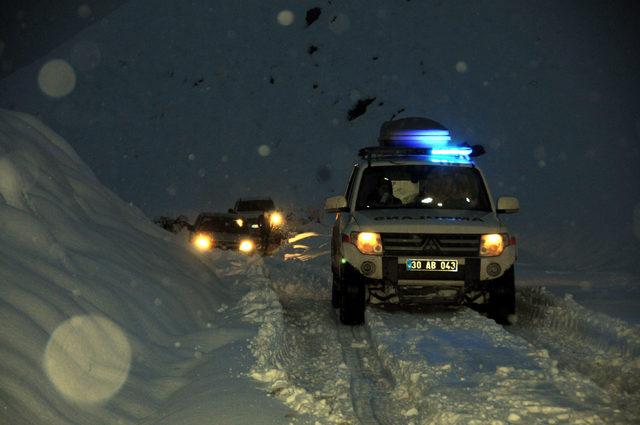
(231, 211)
(508, 205)
(336, 204)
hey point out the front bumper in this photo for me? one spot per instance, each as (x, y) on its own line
(468, 266)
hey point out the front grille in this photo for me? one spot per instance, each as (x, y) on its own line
(405, 244)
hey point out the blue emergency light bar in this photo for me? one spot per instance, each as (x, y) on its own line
(446, 154)
(454, 151)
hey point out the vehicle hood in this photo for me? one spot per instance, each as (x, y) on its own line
(251, 215)
(427, 221)
(229, 237)
(226, 236)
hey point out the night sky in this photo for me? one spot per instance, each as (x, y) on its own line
(184, 106)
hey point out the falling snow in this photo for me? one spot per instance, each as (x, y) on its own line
(57, 78)
(92, 290)
(84, 11)
(264, 150)
(461, 67)
(285, 17)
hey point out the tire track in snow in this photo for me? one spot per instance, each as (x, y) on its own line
(371, 385)
(332, 351)
(311, 357)
(459, 367)
(597, 346)
(469, 369)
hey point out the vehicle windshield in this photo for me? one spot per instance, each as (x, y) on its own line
(422, 186)
(255, 205)
(220, 224)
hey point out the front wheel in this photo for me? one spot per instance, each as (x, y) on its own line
(502, 298)
(352, 301)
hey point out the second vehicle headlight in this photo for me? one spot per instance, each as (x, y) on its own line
(367, 242)
(247, 246)
(203, 241)
(276, 219)
(493, 244)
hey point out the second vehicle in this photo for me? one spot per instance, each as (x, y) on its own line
(224, 231)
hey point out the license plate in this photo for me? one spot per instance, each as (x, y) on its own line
(432, 265)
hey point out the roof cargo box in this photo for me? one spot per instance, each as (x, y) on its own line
(392, 131)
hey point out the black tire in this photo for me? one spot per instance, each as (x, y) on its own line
(502, 298)
(335, 291)
(352, 300)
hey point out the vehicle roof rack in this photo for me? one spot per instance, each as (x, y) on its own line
(463, 150)
(381, 151)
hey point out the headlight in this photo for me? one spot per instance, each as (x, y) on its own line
(367, 242)
(493, 244)
(276, 219)
(239, 222)
(247, 246)
(203, 241)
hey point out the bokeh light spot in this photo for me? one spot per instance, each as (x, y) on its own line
(57, 78)
(84, 11)
(285, 17)
(264, 150)
(88, 359)
(461, 67)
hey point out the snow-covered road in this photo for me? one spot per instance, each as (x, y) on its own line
(109, 319)
(561, 363)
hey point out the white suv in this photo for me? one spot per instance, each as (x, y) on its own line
(417, 224)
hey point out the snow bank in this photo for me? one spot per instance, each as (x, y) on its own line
(105, 317)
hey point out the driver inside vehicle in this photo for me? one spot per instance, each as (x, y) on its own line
(383, 194)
